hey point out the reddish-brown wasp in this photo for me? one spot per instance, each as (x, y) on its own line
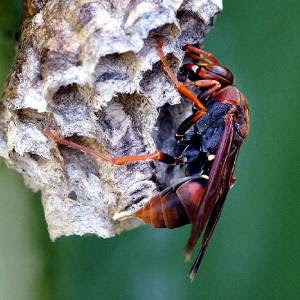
(212, 137)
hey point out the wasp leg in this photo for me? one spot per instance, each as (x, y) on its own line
(191, 120)
(206, 83)
(179, 85)
(157, 155)
(195, 53)
(187, 124)
(122, 160)
(203, 83)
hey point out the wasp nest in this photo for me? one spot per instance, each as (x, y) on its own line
(89, 70)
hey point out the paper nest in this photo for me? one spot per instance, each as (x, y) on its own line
(89, 70)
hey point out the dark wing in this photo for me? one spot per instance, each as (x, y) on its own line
(214, 217)
(218, 186)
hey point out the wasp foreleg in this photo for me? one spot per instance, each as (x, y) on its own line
(181, 87)
(195, 53)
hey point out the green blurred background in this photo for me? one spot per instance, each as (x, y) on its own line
(254, 253)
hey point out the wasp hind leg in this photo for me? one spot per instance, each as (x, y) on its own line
(121, 160)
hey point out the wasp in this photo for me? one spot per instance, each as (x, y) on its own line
(212, 136)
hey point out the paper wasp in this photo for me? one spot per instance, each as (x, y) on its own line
(212, 136)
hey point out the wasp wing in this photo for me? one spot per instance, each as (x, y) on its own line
(215, 216)
(218, 186)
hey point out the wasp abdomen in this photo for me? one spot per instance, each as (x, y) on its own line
(164, 211)
(172, 209)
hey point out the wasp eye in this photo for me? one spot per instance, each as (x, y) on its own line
(220, 71)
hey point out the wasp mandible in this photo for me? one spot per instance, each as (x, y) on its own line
(212, 136)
